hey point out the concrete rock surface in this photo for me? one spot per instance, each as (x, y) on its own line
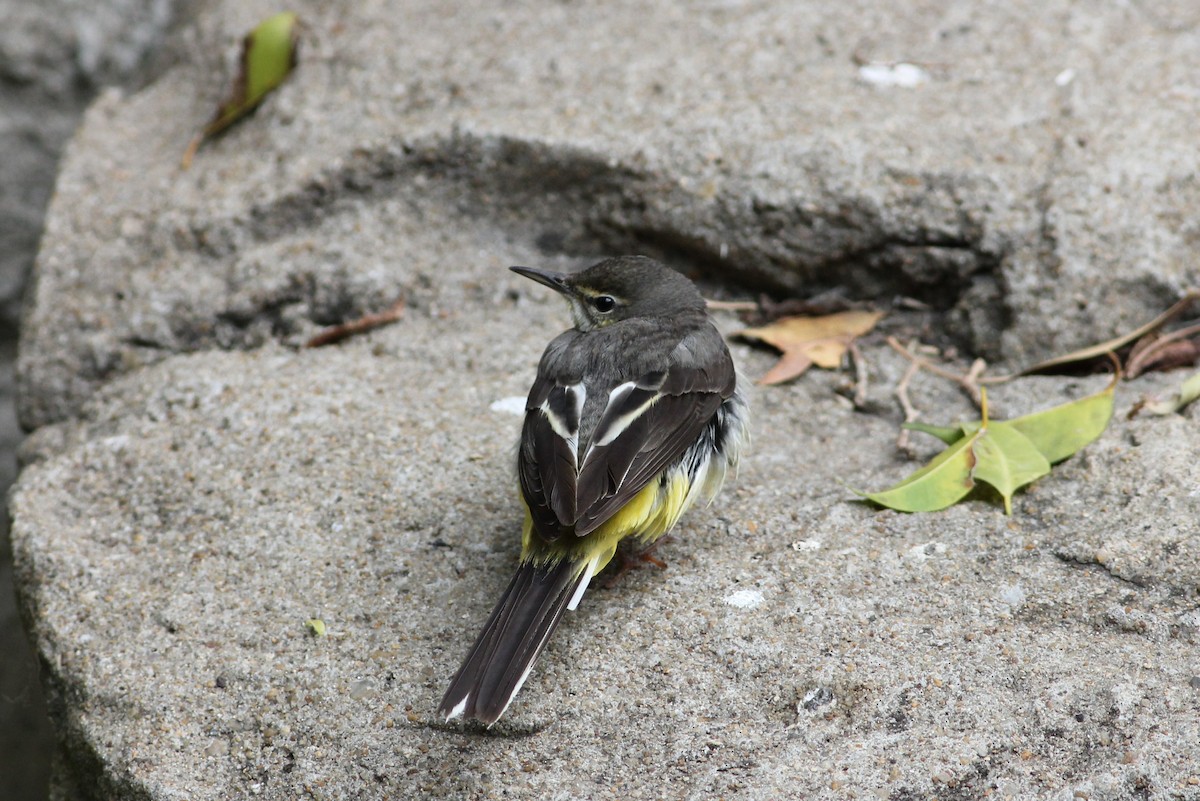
(54, 54)
(198, 487)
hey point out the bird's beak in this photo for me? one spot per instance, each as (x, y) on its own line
(556, 281)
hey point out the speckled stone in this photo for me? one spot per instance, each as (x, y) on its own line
(199, 488)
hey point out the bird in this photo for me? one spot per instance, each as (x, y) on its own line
(636, 413)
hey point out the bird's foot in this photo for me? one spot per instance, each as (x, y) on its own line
(628, 560)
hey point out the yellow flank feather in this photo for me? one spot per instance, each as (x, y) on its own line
(648, 515)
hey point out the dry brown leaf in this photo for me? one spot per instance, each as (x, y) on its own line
(1166, 352)
(1097, 353)
(805, 341)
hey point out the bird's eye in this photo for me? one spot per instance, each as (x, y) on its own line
(604, 304)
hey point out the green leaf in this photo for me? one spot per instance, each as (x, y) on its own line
(1008, 460)
(269, 53)
(1063, 430)
(947, 434)
(268, 56)
(1005, 454)
(941, 483)
(315, 626)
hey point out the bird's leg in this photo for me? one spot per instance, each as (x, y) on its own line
(627, 560)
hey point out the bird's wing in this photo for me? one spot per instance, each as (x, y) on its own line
(548, 460)
(646, 425)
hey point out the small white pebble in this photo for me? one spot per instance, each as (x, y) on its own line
(1012, 594)
(118, 443)
(514, 404)
(1065, 77)
(745, 599)
(806, 545)
(218, 747)
(904, 75)
(926, 550)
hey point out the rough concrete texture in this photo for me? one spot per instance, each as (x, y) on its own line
(1037, 181)
(198, 488)
(53, 56)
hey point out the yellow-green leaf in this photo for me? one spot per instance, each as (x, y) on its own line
(941, 483)
(269, 54)
(947, 434)
(1005, 454)
(1008, 460)
(315, 626)
(1063, 430)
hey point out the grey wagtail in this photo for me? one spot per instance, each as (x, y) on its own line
(635, 414)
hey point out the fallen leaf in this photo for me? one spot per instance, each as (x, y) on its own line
(1161, 353)
(1063, 430)
(947, 434)
(941, 483)
(1189, 392)
(1007, 460)
(1005, 454)
(805, 341)
(269, 54)
(1085, 358)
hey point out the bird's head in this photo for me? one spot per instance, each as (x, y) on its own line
(619, 289)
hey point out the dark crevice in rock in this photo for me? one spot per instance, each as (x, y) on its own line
(1075, 556)
(577, 203)
(915, 236)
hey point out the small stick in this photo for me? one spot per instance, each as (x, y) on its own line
(190, 153)
(368, 322)
(969, 381)
(860, 375)
(911, 412)
(917, 360)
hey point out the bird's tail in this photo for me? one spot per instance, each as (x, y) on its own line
(517, 631)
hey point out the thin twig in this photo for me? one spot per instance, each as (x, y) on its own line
(969, 381)
(190, 152)
(911, 413)
(368, 322)
(860, 375)
(912, 357)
